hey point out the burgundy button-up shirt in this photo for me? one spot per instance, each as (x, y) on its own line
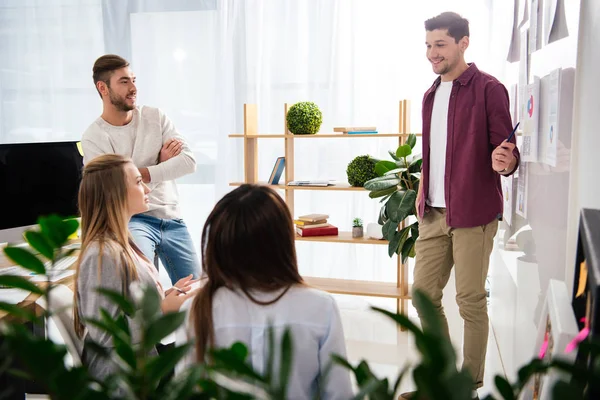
(478, 121)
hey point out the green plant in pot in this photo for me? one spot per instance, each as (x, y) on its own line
(304, 118)
(357, 228)
(397, 184)
(360, 170)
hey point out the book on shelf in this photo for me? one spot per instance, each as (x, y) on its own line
(313, 226)
(346, 129)
(360, 133)
(310, 183)
(322, 231)
(313, 217)
(299, 222)
(277, 171)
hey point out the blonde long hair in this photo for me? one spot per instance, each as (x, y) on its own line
(103, 210)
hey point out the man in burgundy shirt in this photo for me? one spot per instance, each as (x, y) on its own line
(466, 124)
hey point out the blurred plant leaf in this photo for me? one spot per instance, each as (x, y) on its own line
(394, 243)
(119, 300)
(19, 282)
(287, 358)
(401, 204)
(384, 192)
(403, 151)
(162, 327)
(26, 259)
(161, 365)
(504, 388)
(182, 385)
(40, 243)
(151, 304)
(395, 171)
(15, 310)
(57, 230)
(393, 155)
(415, 166)
(407, 248)
(389, 228)
(384, 166)
(411, 140)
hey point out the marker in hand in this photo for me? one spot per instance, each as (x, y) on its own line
(512, 133)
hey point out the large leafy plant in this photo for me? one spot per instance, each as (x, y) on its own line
(397, 184)
(141, 375)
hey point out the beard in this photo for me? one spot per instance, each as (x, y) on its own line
(119, 102)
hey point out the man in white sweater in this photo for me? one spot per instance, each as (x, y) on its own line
(161, 154)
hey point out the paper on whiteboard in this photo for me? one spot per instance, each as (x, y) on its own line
(507, 194)
(533, 26)
(530, 122)
(549, 15)
(522, 190)
(551, 137)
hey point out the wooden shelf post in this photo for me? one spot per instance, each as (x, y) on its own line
(289, 161)
(250, 144)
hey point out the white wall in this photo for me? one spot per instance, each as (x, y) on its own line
(585, 191)
(533, 250)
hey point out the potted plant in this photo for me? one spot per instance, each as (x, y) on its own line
(397, 183)
(304, 118)
(361, 170)
(357, 228)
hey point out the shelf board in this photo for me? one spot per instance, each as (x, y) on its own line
(318, 135)
(339, 187)
(357, 288)
(342, 237)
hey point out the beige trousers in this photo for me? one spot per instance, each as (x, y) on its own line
(438, 249)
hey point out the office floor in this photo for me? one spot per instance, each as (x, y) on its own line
(375, 338)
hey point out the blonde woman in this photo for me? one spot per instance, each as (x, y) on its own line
(111, 192)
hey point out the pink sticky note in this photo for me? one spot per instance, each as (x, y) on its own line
(578, 339)
(544, 347)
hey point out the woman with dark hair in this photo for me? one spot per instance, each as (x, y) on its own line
(249, 258)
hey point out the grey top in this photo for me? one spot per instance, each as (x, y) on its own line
(142, 139)
(92, 276)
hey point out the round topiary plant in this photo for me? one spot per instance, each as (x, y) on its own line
(304, 118)
(360, 170)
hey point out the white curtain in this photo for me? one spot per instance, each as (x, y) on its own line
(356, 60)
(47, 48)
(201, 61)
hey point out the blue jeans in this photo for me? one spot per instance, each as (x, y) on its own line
(169, 240)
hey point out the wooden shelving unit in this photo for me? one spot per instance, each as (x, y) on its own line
(397, 290)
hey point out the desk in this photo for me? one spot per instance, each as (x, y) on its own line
(20, 386)
(29, 302)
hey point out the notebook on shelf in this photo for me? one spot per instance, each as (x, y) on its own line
(277, 171)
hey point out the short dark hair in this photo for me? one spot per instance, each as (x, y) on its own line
(458, 27)
(105, 66)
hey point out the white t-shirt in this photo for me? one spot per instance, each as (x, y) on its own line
(437, 145)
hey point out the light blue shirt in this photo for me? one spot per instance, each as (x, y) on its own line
(314, 321)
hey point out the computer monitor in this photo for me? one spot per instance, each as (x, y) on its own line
(37, 179)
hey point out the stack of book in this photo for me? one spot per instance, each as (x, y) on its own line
(314, 225)
(356, 130)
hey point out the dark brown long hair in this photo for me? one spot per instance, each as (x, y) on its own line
(247, 244)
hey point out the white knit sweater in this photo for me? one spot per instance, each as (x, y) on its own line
(142, 140)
